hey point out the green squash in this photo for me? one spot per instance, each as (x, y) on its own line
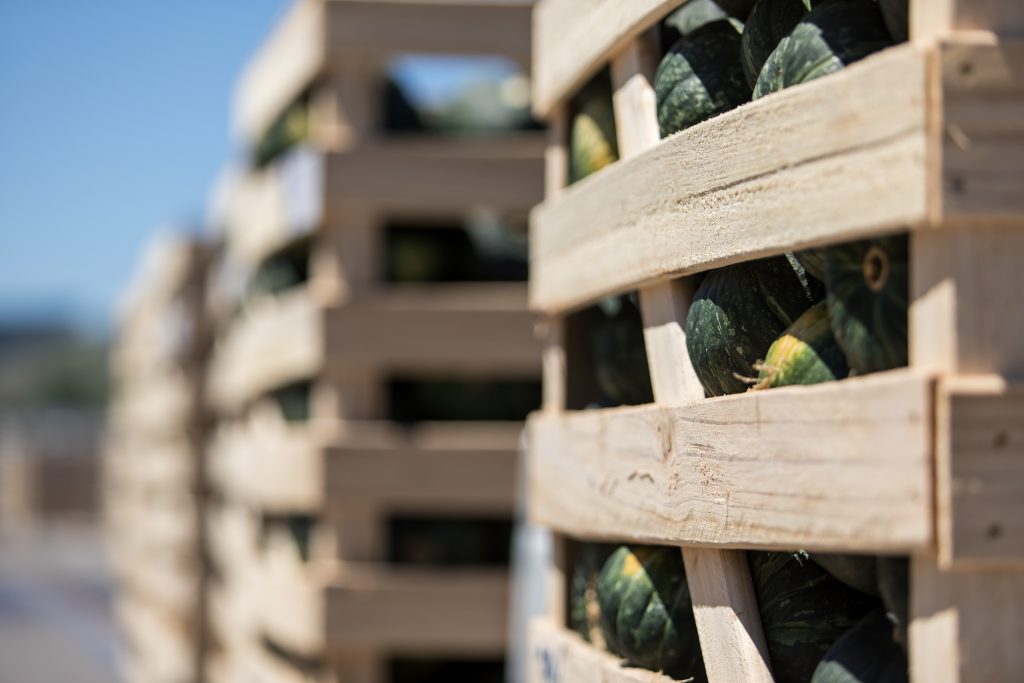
(737, 313)
(834, 34)
(894, 585)
(856, 571)
(693, 15)
(593, 143)
(866, 653)
(867, 285)
(700, 77)
(897, 18)
(289, 130)
(813, 260)
(804, 610)
(769, 22)
(619, 354)
(806, 353)
(584, 610)
(646, 613)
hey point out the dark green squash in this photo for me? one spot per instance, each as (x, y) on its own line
(866, 653)
(856, 571)
(834, 34)
(737, 313)
(894, 585)
(693, 15)
(593, 143)
(646, 613)
(769, 22)
(806, 353)
(813, 260)
(291, 128)
(897, 18)
(584, 610)
(867, 285)
(619, 354)
(804, 610)
(700, 77)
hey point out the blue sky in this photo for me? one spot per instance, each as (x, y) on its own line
(115, 122)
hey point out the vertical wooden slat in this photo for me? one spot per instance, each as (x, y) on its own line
(724, 603)
(933, 19)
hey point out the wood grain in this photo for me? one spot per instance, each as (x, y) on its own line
(791, 467)
(830, 160)
(936, 19)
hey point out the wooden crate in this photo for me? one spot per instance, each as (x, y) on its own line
(925, 461)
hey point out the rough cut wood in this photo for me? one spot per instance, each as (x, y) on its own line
(931, 19)
(834, 159)
(318, 36)
(439, 175)
(560, 656)
(785, 468)
(980, 473)
(573, 39)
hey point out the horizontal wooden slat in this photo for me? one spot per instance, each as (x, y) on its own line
(161, 648)
(830, 160)
(464, 327)
(278, 340)
(439, 175)
(318, 35)
(573, 39)
(796, 467)
(457, 468)
(559, 656)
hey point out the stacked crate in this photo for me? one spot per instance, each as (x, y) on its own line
(925, 461)
(153, 468)
(310, 460)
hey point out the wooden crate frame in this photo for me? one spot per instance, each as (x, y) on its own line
(922, 137)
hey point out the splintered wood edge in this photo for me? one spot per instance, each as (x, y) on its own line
(574, 39)
(838, 158)
(556, 655)
(796, 467)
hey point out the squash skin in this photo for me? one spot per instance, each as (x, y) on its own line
(896, 14)
(646, 613)
(834, 34)
(737, 313)
(592, 139)
(856, 571)
(867, 285)
(866, 653)
(894, 585)
(769, 22)
(700, 77)
(804, 610)
(813, 260)
(806, 353)
(584, 610)
(619, 353)
(693, 15)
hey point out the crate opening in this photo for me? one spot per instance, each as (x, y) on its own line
(423, 670)
(414, 399)
(282, 271)
(449, 542)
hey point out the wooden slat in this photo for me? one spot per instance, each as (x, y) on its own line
(573, 39)
(463, 468)
(162, 648)
(786, 468)
(931, 19)
(830, 160)
(439, 175)
(318, 36)
(560, 656)
(470, 327)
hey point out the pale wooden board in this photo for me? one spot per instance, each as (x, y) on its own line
(965, 626)
(318, 36)
(481, 327)
(556, 655)
(456, 468)
(277, 340)
(439, 175)
(163, 649)
(791, 467)
(980, 473)
(573, 39)
(834, 159)
(931, 19)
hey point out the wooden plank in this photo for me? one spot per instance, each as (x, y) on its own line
(965, 626)
(439, 175)
(781, 173)
(935, 19)
(432, 468)
(473, 327)
(757, 470)
(980, 473)
(164, 650)
(278, 340)
(557, 655)
(574, 39)
(982, 135)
